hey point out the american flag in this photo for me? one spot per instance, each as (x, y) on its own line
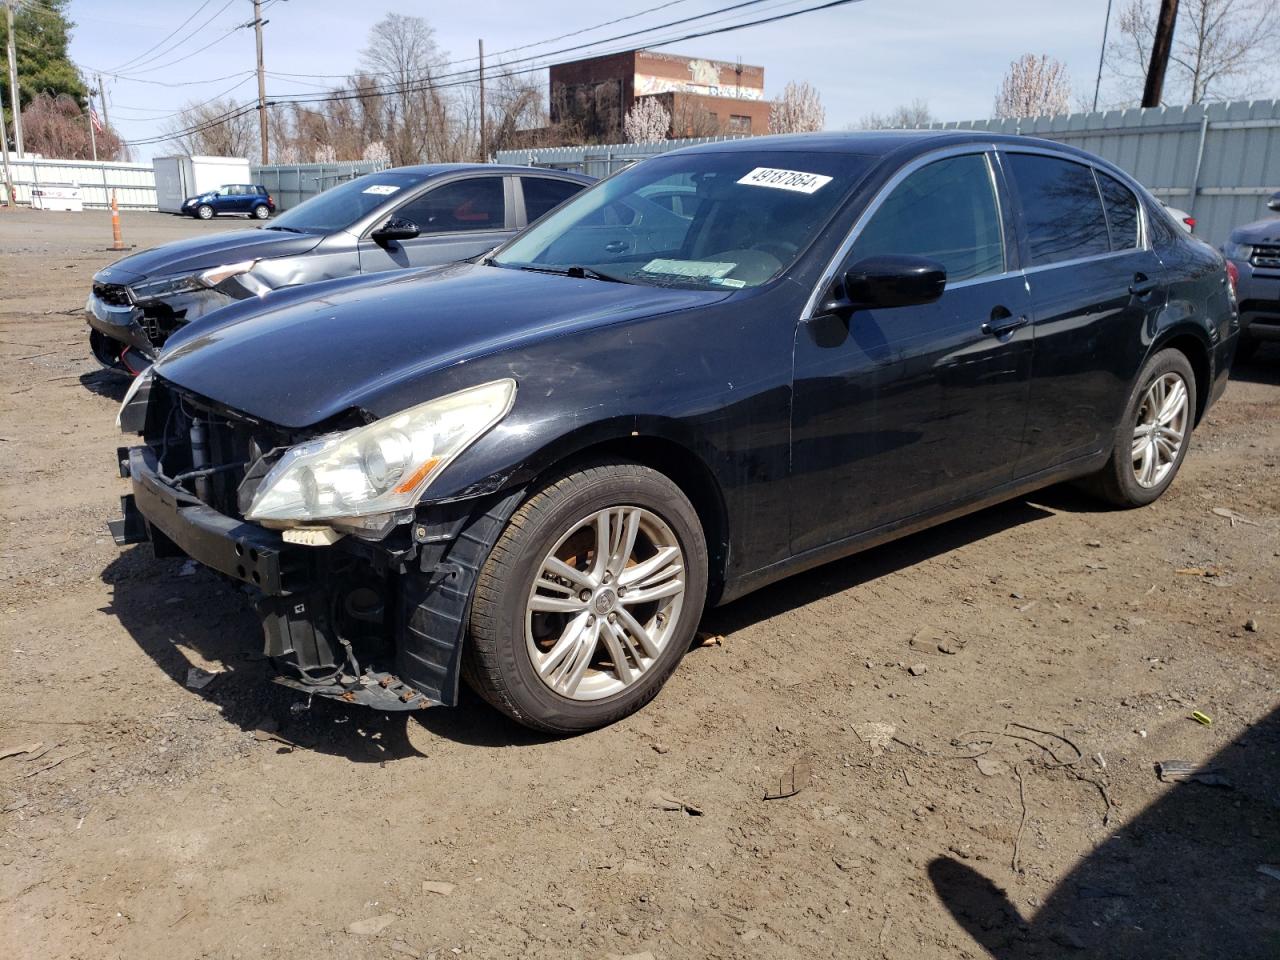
(95, 119)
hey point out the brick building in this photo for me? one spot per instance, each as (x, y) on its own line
(704, 97)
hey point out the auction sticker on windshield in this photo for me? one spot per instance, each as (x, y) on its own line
(794, 180)
(382, 189)
(688, 268)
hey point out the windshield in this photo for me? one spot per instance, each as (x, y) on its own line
(723, 220)
(339, 207)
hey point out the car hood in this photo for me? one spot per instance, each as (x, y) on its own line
(302, 361)
(202, 253)
(1262, 231)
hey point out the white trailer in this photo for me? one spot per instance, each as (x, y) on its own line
(180, 177)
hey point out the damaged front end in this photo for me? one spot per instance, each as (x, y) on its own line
(129, 322)
(369, 616)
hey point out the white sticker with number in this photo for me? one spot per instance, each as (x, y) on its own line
(382, 189)
(796, 181)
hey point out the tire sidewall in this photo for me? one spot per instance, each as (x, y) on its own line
(536, 540)
(1163, 362)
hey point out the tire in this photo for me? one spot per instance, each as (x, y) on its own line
(260, 212)
(1118, 482)
(507, 636)
(204, 212)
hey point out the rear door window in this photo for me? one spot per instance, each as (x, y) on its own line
(946, 211)
(542, 194)
(1061, 208)
(1122, 212)
(459, 207)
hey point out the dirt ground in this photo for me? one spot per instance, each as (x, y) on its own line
(981, 708)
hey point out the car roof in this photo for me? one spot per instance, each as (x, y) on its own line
(440, 169)
(875, 143)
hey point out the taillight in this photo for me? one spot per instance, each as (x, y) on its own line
(1190, 222)
(1233, 278)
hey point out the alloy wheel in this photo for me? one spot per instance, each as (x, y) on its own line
(605, 603)
(1161, 429)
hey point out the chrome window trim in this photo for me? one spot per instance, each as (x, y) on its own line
(982, 148)
(991, 150)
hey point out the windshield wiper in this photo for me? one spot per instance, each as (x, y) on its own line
(578, 272)
(290, 229)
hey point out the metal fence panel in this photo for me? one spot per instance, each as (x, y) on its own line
(598, 160)
(134, 183)
(291, 183)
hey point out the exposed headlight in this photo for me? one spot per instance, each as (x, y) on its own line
(141, 380)
(1237, 251)
(188, 282)
(381, 468)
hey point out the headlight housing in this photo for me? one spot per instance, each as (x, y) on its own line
(1237, 251)
(379, 469)
(163, 287)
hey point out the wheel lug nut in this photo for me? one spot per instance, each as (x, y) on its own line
(584, 596)
(608, 577)
(613, 618)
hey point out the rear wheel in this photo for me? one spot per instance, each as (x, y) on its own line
(588, 600)
(260, 212)
(1152, 438)
(204, 212)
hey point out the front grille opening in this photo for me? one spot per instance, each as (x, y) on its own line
(1266, 255)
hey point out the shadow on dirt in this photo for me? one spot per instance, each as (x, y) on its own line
(106, 383)
(1263, 367)
(184, 616)
(1181, 880)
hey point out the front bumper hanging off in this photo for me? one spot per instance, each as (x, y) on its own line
(429, 617)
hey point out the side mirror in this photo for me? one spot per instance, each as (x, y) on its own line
(888, 281)
(1274, 202)
(395, 228)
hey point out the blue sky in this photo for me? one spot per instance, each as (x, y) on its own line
(865, 57)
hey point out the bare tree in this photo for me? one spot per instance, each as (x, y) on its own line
(691, 118)
(1035, 86)
(219, 128)
(908, 115)
(647, 121)
(402, 53)
(1222, 50)
(55, 126)
(515, 106)
(798, 110)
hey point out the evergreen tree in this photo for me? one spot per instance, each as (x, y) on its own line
(41, 34)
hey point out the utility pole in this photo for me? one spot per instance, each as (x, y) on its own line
(484, 140)
(1160, 49)
(262, 81)
(1102, 54)
(14, 102)
(102, 95)
(93, 136)
(8, 174)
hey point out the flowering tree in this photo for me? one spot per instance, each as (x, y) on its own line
(324, 154)
(647, 122)
(1035, 86)
(377, 152)
(798, 110)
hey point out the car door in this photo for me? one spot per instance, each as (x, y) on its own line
(541, 195)
(897, 411)
(1095, 282)
(456, 219)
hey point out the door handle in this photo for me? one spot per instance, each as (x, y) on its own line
(616, 246)
(1142, 286)
(1002, 323)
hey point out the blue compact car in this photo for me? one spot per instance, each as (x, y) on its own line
(250, 199)
(533, 470)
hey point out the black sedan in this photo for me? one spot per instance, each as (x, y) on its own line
(406, 217)
(536, 470)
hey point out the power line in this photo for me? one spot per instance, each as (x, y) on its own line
(140, 61)
(410, 88)
(165, 40)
